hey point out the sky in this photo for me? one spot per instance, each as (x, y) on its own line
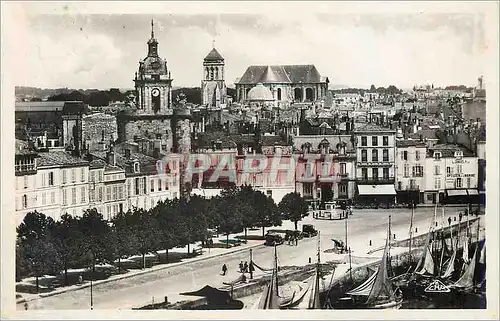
(355, 49)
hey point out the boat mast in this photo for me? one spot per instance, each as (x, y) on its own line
(411, 231)
(442, 242)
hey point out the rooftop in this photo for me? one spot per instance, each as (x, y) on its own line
(410, 143)
(213, 55)
(281, 74)
(60, 158)
(448, 150)
(372, 127)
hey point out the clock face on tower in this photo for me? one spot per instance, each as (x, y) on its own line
(155, 92)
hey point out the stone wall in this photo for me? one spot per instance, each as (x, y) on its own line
(184, 135)
(144, 128)
(93, 127)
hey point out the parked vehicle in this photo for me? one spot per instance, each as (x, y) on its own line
(273, 239)
(308, 230)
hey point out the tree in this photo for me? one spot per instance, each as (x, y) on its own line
(266, 211)
(96, 242)
(146, 231)
(372, 88)
(68, 239)
(230, 217)
(167, 216)
(35, 236)
(293, 207)
(124, 241)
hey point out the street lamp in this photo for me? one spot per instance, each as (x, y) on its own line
(91, 289)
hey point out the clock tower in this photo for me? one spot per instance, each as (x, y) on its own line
(153, 84)
(153, 121)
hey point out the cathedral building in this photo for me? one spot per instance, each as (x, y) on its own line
(287, 83)
(154, 117)
(213, 85)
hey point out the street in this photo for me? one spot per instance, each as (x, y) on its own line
(363, 226)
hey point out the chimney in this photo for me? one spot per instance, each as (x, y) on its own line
(127, 153)
(111, 157)
(421, 137)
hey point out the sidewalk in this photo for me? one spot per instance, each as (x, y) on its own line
(205, 255)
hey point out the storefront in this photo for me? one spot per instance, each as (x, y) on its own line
(384, 194)
(457, 196)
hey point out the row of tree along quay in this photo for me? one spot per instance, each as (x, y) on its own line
(48, 247)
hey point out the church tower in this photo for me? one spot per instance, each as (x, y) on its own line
(213, 85)
(153, 84)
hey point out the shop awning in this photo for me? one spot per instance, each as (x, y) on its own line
(472, 192)
(376, 189)
(456, 192)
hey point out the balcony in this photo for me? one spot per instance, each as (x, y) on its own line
(375, 180)
(408, 188)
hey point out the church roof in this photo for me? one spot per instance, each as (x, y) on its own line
(213, 55)
(281, 74)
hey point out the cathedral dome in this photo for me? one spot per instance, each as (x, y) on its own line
(260, 93)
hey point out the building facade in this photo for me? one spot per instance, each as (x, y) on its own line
(450, 175)
(213, 85)
(375, 164)
(410, 167)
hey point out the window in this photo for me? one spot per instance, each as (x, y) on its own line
(437, 155)
(459, 182)
(65, 197)
(64, 179)
(100, 176)
(120, 192)
(166, 185)
(82, 175)
(436, 170)
(136, 167)
(82, 194)
(52, 197)
(385, 155)
(51, 179)
(375, 173)
(364, 173)
(100, 192)
(308, 189)
(137, 186)
(73, 195)
(412, 184)
(448, 170)
(44, 199)
(417, 155)
(92, 176)
(374, 141)
(374, 155)
(73, 175)
(108, 193)
(404, 155)
(25, 201)
(26, 180)
(144, 187)
(343, 168)
(363, 141)
(418, 171)
(364, 155)
(429, 197)
(385, 140)
(437, 183)
(385, 172)
(459, 169)
(115, 192)
(343, 189)
(152, 182)
(91, 195)
(159, 185)
(468, 182)
(406, 170)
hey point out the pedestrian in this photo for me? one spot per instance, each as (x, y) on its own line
(243, 278)
(296, 241)
(449, 220)
(241, 266)
(224, 269)
(251, 269)
(460, 217)
(25, 305)
(80, 279)
(245, 267)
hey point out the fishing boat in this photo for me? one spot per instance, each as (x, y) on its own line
(308, 296)
(377, 292)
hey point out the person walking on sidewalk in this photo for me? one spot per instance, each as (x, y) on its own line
(245, 267)
(241, 266)
(224, 269)
(251, 269)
